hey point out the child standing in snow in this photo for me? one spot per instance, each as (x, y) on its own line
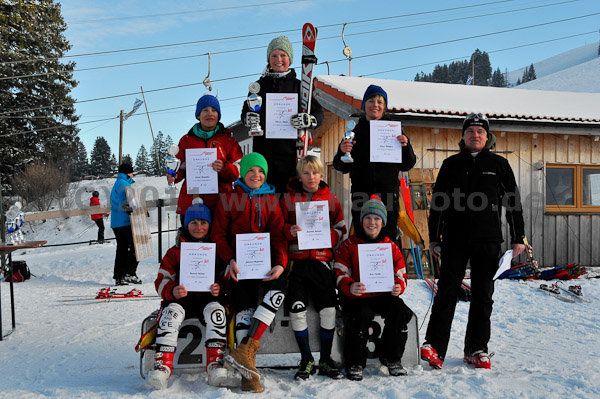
(278, 77)
(360, 307)
(311, 275)
(251, 208)
(179, 304)
(98, 217)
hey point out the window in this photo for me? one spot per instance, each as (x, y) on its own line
(572, 188)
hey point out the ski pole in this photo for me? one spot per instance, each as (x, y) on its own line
(412, 249)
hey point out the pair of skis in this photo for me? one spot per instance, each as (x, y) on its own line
(309, 41)
(107, 294)
(573, 293)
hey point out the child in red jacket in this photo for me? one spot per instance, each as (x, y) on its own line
(311, 273)
(178, 304)
(98, 217)
(360, 307)
(251, 208)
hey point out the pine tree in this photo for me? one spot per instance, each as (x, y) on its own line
(531, 75)
(114, 165)
(483, 68)
(101, 163)
(498, 79)
(127, 159)
(142, 162)
(81, 166)
(36, 94)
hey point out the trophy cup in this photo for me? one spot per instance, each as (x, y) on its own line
(172, 164)
(254, 102)
(348, 135)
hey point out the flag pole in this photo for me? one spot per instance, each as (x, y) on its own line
(151, 131)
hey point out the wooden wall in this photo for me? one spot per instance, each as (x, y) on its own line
(556, 239)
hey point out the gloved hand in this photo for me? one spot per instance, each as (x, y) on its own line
(303, 121)
(252, 119)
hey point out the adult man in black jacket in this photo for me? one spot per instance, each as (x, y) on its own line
(465, 223)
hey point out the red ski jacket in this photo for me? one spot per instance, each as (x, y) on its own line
(168, 271)
(228, 150)
(95, 201)
(347, 271)
(239, 213)
(336, 219)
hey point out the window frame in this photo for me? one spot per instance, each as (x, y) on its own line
(577, 207)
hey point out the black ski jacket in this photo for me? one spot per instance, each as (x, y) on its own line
(468, 196)
(276, 150)
(372, 177)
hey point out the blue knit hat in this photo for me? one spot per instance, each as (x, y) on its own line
(197, 211)
(374, 206)
(371, 91)
(208, 100)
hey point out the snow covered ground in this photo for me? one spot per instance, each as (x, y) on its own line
(544, 348)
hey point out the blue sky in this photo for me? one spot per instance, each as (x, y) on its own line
(166, 44)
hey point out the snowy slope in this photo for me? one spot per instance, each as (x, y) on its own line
(544, 348)
(583, 78)
(558, 62)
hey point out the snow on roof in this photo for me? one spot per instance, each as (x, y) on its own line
(460, 100)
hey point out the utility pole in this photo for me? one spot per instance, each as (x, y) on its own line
(120, 137)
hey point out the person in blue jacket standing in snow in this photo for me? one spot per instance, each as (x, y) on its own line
(125, 260)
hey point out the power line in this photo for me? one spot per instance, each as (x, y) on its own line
(253, 34)
(466, 38)
(331, 62)
(489, 52)
(170, 14)
(262, 47)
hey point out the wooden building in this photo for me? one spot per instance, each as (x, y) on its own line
(551, 140)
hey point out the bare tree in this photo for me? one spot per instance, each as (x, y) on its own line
(41, 185)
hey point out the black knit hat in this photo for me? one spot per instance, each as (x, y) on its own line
(126, 168)
(476, 120)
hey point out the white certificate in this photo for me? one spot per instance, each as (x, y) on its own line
(197, 266)
(376, 265)
(313, 219)
(253, 255)
(385, 146)
(200, 177)
(280, 109)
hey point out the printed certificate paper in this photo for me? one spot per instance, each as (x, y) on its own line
(376, 265)
(200, 177)
(279, 111)
(197, 269)
(385, 146)
(313, 219)
(253, 255)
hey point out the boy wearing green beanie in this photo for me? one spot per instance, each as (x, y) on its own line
(252, 207)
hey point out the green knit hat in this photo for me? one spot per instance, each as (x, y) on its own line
(281, 43)
(374, 206)
(250, 160)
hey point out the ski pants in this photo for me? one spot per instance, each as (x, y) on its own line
(358, 314)
(312, 280)
(100, 224)
(125, 260)
(483, 258)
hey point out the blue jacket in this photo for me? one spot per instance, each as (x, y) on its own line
(118, 200)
